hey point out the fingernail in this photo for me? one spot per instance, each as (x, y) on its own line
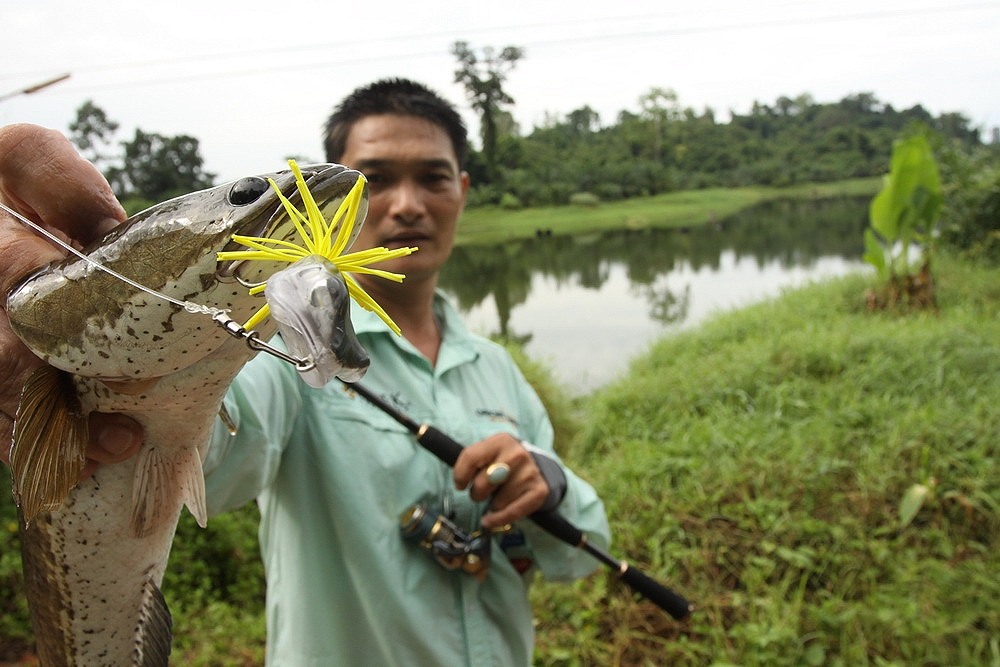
(117, 438)
(107, 224)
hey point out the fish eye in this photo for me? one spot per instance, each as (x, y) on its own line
(247, 190)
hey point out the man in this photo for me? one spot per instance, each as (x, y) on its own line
(333, 475)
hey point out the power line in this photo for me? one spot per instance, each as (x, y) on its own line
(530, 45)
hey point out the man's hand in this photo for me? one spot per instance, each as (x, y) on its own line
(523, 492)
(43, 178)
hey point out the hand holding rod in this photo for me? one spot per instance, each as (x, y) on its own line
(448, 450)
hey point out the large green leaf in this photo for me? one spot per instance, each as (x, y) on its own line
(874, 253)
(911, 503)
(883, 212)
(911, 196)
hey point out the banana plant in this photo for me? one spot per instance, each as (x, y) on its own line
(905, 211)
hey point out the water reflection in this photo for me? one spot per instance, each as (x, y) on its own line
(587, 305)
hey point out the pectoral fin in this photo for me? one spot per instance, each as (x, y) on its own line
(50, 442)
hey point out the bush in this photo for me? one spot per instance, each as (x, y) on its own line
(587, 199)
(970, 220)
(15, 624)
(510, 202)
(483, 195)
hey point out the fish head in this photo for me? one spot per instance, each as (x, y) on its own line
(89, 322)
(263, 215)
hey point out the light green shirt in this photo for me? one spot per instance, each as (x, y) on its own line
(332, 474)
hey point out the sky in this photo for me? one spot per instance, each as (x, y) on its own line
(254, 81)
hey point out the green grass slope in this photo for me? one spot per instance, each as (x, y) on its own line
(821, 481)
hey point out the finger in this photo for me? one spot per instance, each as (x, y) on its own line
(473, 459)
(507, 508)
(113, 437)
(516, 459)
(43, 176)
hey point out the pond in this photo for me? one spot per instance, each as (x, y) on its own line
(586, 306)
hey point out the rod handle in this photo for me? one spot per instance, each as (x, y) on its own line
(555, 524)
(439, 444)
(655, 592)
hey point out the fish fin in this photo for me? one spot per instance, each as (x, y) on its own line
(193, 485)
(154, 630)
(50, 442)
(158, 483)
(227, 420)
(152, 487)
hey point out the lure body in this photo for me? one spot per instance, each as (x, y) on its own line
(94, 553)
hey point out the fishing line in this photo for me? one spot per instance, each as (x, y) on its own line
(186, 305)
(218, 315)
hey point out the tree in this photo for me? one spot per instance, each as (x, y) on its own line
(663, 145)
(151, 167)
(660, 107)
(157, 167)
(483, 79)
(583, 121)
(91, 132)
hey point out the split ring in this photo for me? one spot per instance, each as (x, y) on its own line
(498, 473)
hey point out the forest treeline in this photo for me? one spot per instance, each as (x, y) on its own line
(577, 158)
(663, 147)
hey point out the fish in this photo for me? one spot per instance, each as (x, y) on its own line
(94, 551)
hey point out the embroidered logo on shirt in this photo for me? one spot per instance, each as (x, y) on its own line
(496, 415)
(397, 399)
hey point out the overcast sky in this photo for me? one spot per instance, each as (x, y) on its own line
(254, 81)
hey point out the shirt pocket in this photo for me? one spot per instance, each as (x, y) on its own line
(364, 433)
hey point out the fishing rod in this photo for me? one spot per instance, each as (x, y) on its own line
(445, 448)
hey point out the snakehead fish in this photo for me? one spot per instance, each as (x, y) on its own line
(94, 551)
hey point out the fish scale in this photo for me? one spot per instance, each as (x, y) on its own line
(94, 555)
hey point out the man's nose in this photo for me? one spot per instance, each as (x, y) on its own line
(407, 201)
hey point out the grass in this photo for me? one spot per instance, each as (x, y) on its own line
(690, 208)
(759, 465)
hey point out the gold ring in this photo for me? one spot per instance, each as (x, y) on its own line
(498, 473)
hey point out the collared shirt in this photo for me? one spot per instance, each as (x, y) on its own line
(332, 474)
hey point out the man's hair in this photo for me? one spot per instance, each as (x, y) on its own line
(393, 96)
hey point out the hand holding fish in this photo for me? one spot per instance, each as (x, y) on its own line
(44, 178)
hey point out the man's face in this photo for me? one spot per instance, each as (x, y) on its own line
(416, 190)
